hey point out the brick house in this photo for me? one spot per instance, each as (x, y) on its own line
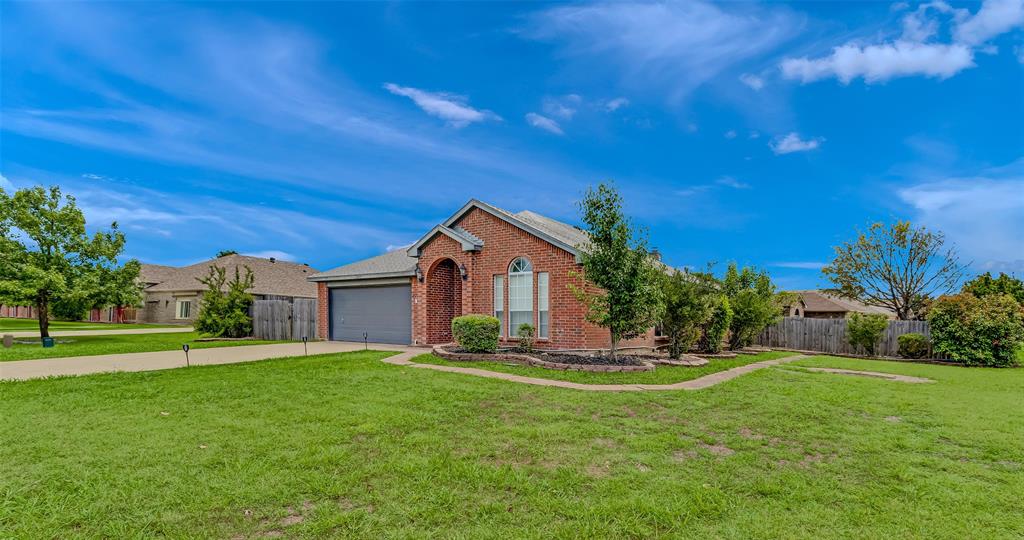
(482, 259)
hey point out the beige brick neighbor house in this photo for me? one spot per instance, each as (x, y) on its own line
(171, 295)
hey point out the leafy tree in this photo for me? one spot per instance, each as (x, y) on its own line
(985, 285)
(224, 310)
(624, 297)
(897, 267)
(225, 253)
(714, 331)
(46, 256)
(753, 301)
(864, 330)
(986, 331)
(689, 302)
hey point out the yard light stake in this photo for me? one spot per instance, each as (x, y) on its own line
(304, 351)
(364, 341)
(185, 348)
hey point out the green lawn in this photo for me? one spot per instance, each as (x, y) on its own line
(113, 344)
(660, 375)
(346, 446)
(27, 325)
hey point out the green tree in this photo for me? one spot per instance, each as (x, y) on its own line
(46, 256)
(864, 330)
(715, 330)
(986, 331)
(897, 267)
(621, 290)
(689, 302)
(224, 309)
(225, 253)
(985, 285)
(753, 301)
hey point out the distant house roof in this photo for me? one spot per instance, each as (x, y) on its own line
(151, 274)
(272, 277)
(402, 262)
(822, 302)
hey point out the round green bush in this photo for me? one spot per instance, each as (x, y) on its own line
(985, 331)
(476, 333)
(912, 345)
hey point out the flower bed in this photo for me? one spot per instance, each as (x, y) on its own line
(561, 362)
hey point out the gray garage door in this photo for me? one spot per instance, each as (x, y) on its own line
(384, 313)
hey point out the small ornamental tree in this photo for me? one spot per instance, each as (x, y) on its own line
(47, 257)
(714, 330)
(689, 302)
(985, 331)
(864, 330)
(754, 304)
(224, 309)
(897, 267)
(525, 335)
(621, 290)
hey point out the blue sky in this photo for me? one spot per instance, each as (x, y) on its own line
(328, 132)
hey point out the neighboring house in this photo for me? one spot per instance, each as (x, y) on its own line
(821, 305)
(482, 259)
(171, 295)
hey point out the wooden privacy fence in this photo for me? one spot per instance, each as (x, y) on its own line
(283, 320)
(829, 336)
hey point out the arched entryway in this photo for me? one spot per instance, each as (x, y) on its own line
(444, 300)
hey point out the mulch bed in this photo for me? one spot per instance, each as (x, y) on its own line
(589, 360)
(556, 361)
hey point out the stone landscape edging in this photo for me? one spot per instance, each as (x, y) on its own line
(537, 362)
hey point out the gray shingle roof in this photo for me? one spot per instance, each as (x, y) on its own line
(399, 263)
(151, 274)
(395, 263)
(822, 302)
(272, 278)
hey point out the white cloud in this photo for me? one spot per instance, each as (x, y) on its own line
(615, 104)
(919, 26)
(878, 63)
(800, 265)
(451, 108)
(272, 253)
(731, 134)
(753, 81)
(729, 181)
(755, 134)
(995, 17)
(6, 184)
(543, 122)
(983, 215)
(563, 107)
(793, 143)
(668, 47)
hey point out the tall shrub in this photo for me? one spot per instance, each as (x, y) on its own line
(753, 301)
(865, 330)
(224, 310)
(985, 331)
(476, 333)
(713, 331)
(689, 303)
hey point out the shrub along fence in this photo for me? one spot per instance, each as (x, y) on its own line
(829, 336)
(283, 319)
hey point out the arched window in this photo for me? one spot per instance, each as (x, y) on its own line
(520, 294)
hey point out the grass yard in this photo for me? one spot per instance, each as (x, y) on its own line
(27, 325)
(113, 344)
(660, 375)
(346, 446)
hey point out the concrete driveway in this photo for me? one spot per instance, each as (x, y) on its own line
(102, 332)
(82, 365)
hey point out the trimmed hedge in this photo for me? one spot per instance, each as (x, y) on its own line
(476, 333)
(913, 345)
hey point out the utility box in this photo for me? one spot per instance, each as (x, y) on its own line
(8, 341)
(47, 342)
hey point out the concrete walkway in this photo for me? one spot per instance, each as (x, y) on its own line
(695, 384)
(877, 374)
(100, 332)
(148, 361)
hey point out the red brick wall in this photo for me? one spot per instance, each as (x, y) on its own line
(504, 242)
(321, 311)
(444, 300)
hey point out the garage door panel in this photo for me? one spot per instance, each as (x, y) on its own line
(384, 313)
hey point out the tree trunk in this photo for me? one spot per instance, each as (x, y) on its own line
(43, 312)
(614, 345)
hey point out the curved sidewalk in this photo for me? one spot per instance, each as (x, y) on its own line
(695, 384)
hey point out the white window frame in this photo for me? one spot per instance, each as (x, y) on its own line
(520, 294)
(543, 305)
(498, 290)
(177, 309)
